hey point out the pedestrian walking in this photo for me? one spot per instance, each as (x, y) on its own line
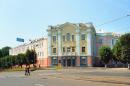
(28, 70)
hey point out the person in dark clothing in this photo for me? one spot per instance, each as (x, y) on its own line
(28, 70)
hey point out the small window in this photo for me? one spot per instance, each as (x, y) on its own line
(54, 61)
(63, 38)
(68, 49)
(68, 36)
(42, 53)
(72, 37)
(112, 41)
(73, 49)
(63, 49)
(83, 36)
(83, 49)
(100, 41)
(83, 61)
(54, 50)
(54, 38)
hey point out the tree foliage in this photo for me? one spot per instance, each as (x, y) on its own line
(5, 51)
(31, 56)
(125, 46)
(27, 58)
(105, 54)
(117, 51)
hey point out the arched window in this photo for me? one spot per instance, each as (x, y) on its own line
(68, 36)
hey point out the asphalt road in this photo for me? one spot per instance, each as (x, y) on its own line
(44, 78)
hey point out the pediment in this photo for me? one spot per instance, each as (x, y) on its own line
(67, 24)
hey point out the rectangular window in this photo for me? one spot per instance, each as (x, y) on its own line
(54, 50)
(63, 38)
(54, 38)
(83, 36)
(42, 53)
(112, 41)
(100, 41)
(83, 61)
(68, 49)
(63, 49)
(72, 37)
(54, 60)
(73, 49)
(83, 49)
(68, 36)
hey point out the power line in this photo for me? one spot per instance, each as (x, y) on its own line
(119, 18)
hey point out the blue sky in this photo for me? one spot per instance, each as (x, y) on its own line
(29, 19)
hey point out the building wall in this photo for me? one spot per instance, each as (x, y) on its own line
(44, 47)
(105, 39)
(74, 44)
(40, 46)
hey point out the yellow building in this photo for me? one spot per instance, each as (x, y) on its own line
(71, 44)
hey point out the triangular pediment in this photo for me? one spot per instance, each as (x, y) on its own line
(67, 24)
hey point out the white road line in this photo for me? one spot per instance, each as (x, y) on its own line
(49, 74)
(38, 85)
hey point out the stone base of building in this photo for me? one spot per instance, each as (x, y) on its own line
(43, 62)
(65, 61)
(71, 61)
(89, 61)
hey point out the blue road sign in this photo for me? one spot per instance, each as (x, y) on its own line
(20, 39)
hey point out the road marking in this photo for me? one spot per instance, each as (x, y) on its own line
(38, 85)
(49, 74)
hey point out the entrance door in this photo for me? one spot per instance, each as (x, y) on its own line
(64, 62)
(73, 62)
(68, 62)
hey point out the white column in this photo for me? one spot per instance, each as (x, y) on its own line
(59, 43)
(77, 41)
(89, 43)
(49, 43)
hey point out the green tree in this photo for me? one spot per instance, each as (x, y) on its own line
(34, 57)
(117, 51)
(125, 46)
(31, 57)
(1, 54)
(105, 54)
(21, 59)
(28, 55)
(13, 60)
(5, 51)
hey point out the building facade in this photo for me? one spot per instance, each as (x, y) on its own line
(39, 45)
(68, 45)
(105, 39)
(72, 44)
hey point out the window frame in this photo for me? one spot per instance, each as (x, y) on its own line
(83, 49)
(83, 36)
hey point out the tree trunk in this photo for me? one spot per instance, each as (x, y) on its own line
(105, 65)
